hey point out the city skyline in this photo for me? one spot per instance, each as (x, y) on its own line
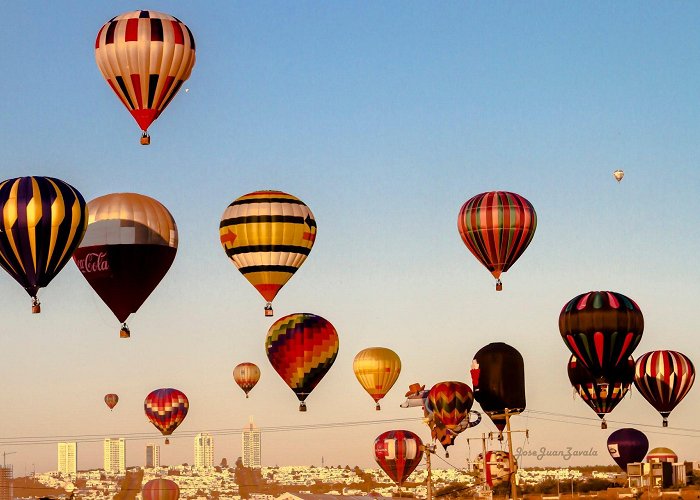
(383, 119)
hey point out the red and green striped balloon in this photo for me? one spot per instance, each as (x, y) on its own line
(301, 348)
(601, 329)
(161, 489)
(497, 227)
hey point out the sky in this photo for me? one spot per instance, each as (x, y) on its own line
(384, 118)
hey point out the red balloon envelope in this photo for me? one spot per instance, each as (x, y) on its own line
(398, 453)
(664, 378)
(111, 400)
(160, 489)
(129, 245)
(601, 329)
(497, 227)
(166, 409)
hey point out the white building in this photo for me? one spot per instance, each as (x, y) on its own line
(250, 446)
(67, 458)
(115, 455)
(203, 451)
(152, 456)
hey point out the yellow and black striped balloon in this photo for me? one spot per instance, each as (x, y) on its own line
(42, 221)
(267, 235)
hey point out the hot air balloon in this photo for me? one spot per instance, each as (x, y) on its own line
(160, 489)
(662, 454)
(498, 378)
(246, 376)
(601, 397)
(497, 468)
(129, 245)
(601, 329)
(618, 174)
(664, 378)
(42, 220)
(301, 348)
(377, 368)
(111, 400)
(449, 403)
(497, 227)
(627, 446)
(398, 453)
(166, 409)
(267, 235)
(145, 56)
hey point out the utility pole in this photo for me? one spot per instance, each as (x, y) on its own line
(513, 487)
(428, 449)
(4, 454)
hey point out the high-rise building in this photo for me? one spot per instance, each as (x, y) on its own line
(250, 446)
(152, 456)
(115, 455)
(203, 451)
(67, 458)
(6, 492)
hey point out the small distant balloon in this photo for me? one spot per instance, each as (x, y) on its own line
(618, 174)
(111, 400)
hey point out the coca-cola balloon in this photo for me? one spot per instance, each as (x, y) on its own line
(129, 245)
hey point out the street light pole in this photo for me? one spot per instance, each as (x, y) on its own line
(511, 464)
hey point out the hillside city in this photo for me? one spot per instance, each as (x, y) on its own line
(247, 478)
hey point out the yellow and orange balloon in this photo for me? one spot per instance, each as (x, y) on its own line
(377, 369)
(267, 235)
(246, 376)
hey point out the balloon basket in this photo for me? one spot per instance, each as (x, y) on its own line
(447, 454)
(145, 139)
(36, 305)
(499, 286)
(665, 423)
(268, 310)
(302, 406)
(246, 395)
(603, 425)
(124, 332)
(167, 441)
(377, 407)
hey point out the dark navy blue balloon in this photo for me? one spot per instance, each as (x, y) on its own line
(627, 446)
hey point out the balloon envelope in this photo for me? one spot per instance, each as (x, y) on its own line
(377, 369)
(398, 453)
(497, 227)
(301, 348)
(664, 378)
(145, 56)
(166, 409)
(601, 329)
(627, 446)
(497, 466)
(129, 245)
(42, 220)
(449, 403)
(498, 378)
(603, 397)
(161, 489)
(267, 235)
(111, 400)
(246, 376)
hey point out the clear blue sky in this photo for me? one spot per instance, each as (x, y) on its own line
(384, 118)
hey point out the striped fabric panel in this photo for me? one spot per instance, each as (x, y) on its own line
(497, 227)
(43, 220)
(664, 378)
